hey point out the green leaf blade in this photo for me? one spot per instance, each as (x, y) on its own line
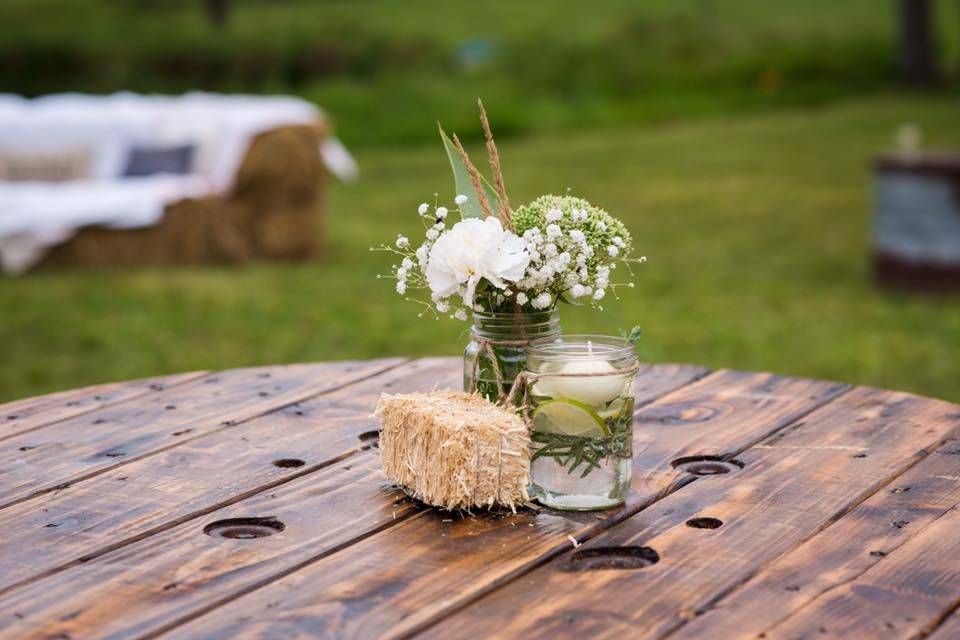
(461, 178)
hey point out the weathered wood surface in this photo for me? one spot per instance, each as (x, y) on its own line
(34, 413)
(841, 522)
(79, 448)
(148, 495)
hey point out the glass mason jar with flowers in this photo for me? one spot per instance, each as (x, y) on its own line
(508, 268)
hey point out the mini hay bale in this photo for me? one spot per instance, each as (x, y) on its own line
(454, 450)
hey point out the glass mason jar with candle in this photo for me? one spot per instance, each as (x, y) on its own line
(504, 336)
(580, 396)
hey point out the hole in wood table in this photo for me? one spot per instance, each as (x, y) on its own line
(370, 438)
(705, 523)
(599, 558)
(288, 463)
(706, 465)
(244, 528)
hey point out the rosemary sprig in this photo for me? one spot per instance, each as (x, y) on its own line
(571, 452)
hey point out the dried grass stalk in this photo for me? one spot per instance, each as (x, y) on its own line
(454, 450)
(475, 178)
(506, 215)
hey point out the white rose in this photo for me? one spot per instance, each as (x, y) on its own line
(472, 250)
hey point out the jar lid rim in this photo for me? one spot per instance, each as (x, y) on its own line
(581, 346)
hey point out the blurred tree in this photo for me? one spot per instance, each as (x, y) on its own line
(918, 46)
(218, 11)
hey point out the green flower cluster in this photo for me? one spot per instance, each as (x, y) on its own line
(600, 228)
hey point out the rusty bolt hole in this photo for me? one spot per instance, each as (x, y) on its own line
(288, 463)
(705, 523)
(706, 465)
(599, 558)
(244, 528)
(370, 438)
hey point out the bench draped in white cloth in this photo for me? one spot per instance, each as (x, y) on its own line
(37, 215)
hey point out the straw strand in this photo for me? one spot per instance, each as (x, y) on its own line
(506, 215)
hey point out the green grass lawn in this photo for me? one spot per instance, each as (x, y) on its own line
(540, 64)
(756, 229)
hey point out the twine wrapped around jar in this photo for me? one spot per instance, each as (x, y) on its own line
(496, 351)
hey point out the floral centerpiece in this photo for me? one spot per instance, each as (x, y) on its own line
(507, 267)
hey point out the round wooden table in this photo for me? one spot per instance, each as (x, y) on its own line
(249, 503)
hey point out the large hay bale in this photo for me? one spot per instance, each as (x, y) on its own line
(274, 211)
(454, 450)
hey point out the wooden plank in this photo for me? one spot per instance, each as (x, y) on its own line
(157, 492)
(33, 413)
(949, 629)
(79, 448)
(904, 594)
(789, 491)
(137, 589)
(397, 582)
(839, 554)
(137, 596)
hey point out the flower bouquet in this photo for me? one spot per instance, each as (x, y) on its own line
(507, 267)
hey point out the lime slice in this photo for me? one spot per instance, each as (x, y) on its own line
(569, 417)
(614, 410)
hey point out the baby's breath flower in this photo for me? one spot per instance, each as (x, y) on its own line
(423, 253)
(441, 213)
(522, 298)
(423, 208)
(577, 291)
(401, 287)
(407, 264)
(613, 251)
(402, 273)
(598, 294)
(542, 301)
(460, 314)
(553, 215)
(403, 242)
(461, 199)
